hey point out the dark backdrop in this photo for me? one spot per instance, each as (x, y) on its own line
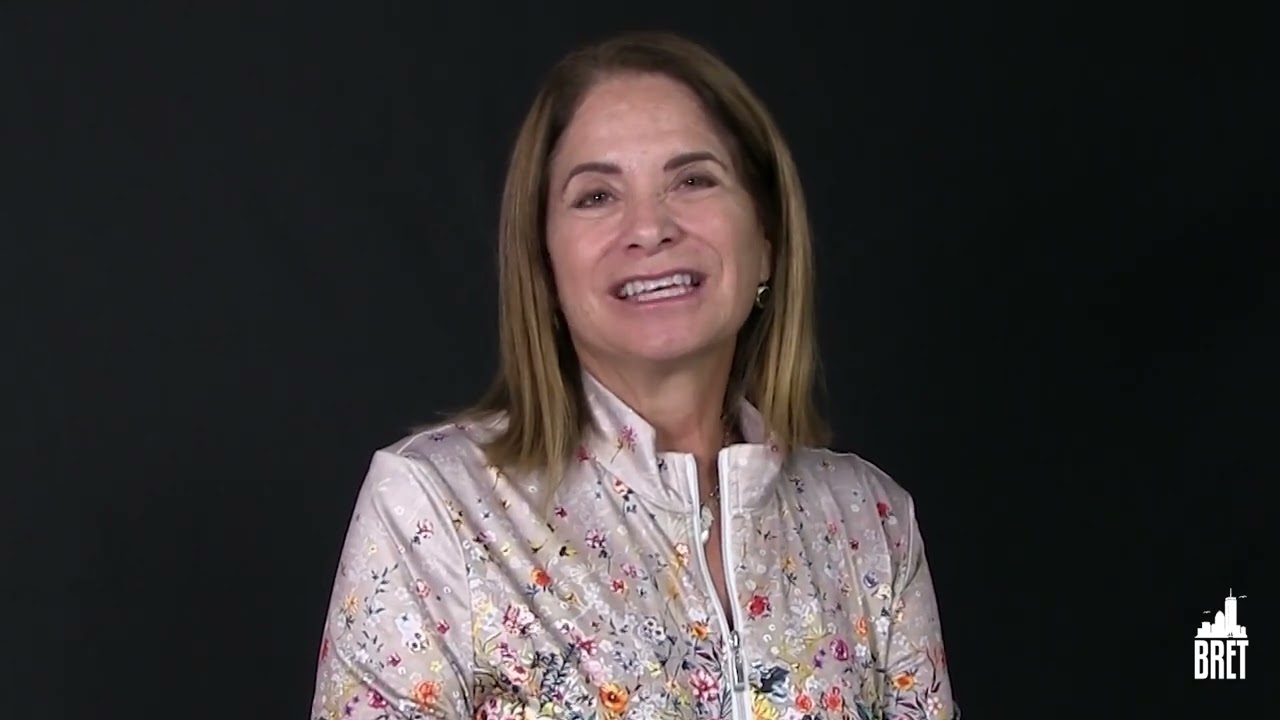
(245, 249)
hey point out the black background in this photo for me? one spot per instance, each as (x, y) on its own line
(243, 249)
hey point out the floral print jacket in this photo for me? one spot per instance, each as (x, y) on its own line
(464, 593)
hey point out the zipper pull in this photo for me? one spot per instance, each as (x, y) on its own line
(739, 667)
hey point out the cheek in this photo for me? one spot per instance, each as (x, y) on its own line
(571, 264)
(738, 241)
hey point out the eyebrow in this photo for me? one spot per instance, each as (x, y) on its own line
(676, 162)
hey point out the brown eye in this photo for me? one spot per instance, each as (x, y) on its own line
(592, 199)
(699, 181)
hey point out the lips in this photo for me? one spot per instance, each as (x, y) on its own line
(640, 285)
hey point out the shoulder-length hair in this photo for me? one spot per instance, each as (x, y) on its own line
(538, 389)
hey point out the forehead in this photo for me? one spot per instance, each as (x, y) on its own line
(638, 114)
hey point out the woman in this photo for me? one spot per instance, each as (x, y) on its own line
(635, 522)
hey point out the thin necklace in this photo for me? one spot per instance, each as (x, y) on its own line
(713, 496)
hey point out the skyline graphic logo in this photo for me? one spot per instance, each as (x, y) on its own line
(1220, 644)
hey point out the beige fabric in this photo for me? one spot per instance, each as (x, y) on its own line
(456, 597)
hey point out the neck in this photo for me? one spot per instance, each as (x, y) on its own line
(685, 405)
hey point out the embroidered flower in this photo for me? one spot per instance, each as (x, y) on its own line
(840, 650)
(424, 531)
(497, 708)
(759, 607)
(519, 621)
(627, 439)
(904, 681)
(614, 698)
(705, 686)
(517, 675)
(652, 631)
(593, 670)
(882, 625)
(426, 693)
(540, 578)
(682, 555)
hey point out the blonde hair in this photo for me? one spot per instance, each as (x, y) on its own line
(538, 390)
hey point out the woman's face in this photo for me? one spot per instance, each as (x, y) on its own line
(654, 241)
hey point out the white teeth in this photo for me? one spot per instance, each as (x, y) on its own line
(675, 283)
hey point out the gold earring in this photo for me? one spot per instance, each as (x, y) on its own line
(762, 295)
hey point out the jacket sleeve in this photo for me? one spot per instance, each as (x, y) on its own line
(917, 681)
(397, 636)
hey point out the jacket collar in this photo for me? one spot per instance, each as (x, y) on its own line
(625, 445)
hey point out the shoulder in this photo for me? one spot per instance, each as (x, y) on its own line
(445, 442)
(444, 461)
(876, 512)
(851, 478)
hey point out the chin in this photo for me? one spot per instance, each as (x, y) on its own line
(668, 347)
(661, 354)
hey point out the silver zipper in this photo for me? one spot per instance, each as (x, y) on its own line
(702, 551)
(742, 709)
(739, 665)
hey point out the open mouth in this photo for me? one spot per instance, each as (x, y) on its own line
(660, 287)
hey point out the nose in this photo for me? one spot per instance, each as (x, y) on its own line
(650, 225)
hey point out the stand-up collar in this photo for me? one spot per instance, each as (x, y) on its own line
(626, 446)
